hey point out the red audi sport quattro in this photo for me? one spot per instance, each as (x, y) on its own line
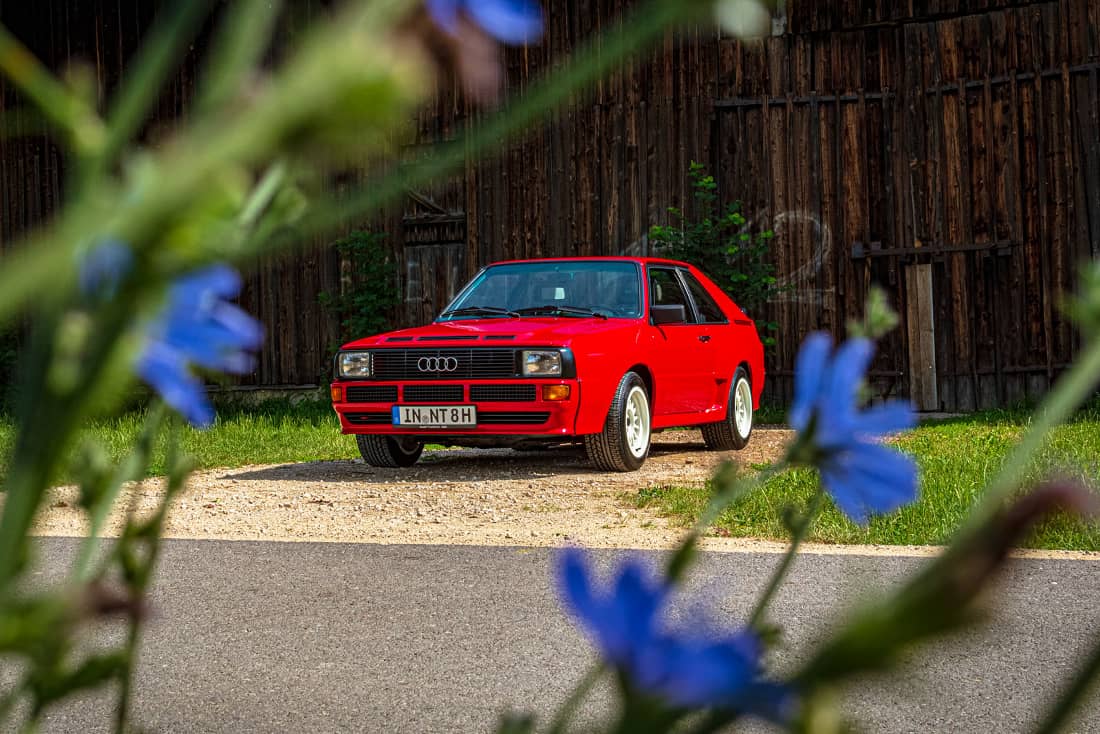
(599, 350)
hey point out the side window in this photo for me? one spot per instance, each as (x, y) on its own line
(665, 290)
(709, 312)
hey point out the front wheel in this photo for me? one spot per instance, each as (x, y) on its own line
(623, 445)
(389, 452)
(734, 430)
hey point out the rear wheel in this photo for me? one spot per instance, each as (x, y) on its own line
(389, 452)
(623, 445)
(733, 432)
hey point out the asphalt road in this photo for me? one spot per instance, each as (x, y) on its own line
(273, 637)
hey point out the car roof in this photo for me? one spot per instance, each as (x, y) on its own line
(596, 258)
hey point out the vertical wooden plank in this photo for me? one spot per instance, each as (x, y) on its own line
(1088, 126)
(1044, 223)
(921, 335)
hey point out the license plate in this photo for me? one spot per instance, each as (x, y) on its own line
(435, 416)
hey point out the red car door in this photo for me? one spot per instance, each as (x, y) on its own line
(683, 359)
(720, 339)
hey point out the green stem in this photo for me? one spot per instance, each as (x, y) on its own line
(780, 573)
(262, 195)
(729, 489)
(1073, 695)
(49, 418)
(238, 46)
(126, 676)
(569, 707)
(63, 108)
(133, 467)
(150, 533)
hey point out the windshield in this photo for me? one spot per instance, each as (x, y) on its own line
(567, 289)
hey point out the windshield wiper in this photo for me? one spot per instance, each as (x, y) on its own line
(555, 310)
(480, 311)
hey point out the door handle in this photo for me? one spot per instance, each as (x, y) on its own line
(704, 338)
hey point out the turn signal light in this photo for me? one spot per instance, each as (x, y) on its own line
(337, 394)
(555, 392)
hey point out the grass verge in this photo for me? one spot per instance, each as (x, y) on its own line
(956, 458)
(272, 432)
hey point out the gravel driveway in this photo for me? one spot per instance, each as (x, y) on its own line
(461, 496)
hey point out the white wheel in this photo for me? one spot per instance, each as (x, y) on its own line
(742, 408)
(636, 422)
(623, 445)
(734, 430)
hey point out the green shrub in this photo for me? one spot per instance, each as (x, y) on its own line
(370, 295)
(719, 240)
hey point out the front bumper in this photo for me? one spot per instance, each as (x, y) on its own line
(504, 407)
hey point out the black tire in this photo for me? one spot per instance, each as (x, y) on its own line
(619, 447)
(725, 435)
(388, 452)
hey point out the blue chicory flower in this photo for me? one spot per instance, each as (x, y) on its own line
(860, 474)
(508, 21)
(685, 669)
(198, 326)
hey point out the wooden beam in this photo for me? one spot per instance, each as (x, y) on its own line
(922, 337)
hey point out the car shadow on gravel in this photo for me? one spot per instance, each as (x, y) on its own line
(456, 465)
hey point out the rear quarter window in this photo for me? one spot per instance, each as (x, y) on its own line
(709, 310)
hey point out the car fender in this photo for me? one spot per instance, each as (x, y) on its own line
(600, 368)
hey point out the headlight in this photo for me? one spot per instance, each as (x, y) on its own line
(541, 364)
(355, 364)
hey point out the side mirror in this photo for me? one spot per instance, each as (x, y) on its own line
(671, 314)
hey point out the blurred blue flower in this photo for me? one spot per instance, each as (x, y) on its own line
(102, 269)
(862, 475)
(508, 21)
(685, 669)
(198, 326)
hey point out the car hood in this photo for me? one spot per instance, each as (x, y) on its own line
(543, 331)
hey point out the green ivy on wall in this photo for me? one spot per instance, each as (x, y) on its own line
(366, 302)
(719, 240)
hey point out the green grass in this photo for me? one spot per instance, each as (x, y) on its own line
(956, 458)
(272, 432)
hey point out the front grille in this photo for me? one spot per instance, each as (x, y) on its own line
(433, 393)
(470, 364)
(369, 419)
(514, 418)
(502, 393)
(372, 394)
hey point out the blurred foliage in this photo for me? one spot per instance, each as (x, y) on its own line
(879, 319)
(719, 240)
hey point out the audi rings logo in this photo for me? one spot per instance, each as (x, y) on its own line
(437, 364)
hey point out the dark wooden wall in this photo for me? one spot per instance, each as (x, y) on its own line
(875, 137)
(969, 143)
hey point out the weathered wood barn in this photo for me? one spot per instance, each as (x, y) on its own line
(947, 150)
